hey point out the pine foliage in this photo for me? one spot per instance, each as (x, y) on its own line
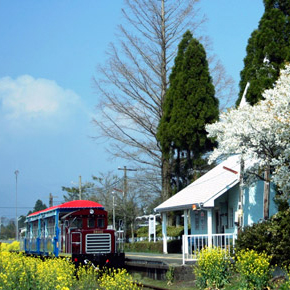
(267, 50)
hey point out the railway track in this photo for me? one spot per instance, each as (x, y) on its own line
(145, 287)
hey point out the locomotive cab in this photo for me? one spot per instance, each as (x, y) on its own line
(85, 232)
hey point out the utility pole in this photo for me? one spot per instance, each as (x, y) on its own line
(80, 187)
(51, 199)
(114, 224)
(16, 218)
(114, 216)
(125, 169)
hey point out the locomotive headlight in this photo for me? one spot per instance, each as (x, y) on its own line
(92, 211)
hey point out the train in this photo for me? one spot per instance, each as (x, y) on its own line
(77, 230)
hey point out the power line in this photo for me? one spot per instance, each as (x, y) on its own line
(108, 187)
(17, 207)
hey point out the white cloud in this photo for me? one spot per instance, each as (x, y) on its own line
(27, 99)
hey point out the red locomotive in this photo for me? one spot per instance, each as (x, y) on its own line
(78, 229)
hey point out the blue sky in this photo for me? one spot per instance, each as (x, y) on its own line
(49, 50)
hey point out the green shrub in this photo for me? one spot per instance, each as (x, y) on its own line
(175, 231)
(271, 237)
(142, 232)
(254, 269)
(170, 275)
(285, 284)
(279, 232)
(173, 246)
(213, 268)
(172, 231)
(144, 247)
(255, 237)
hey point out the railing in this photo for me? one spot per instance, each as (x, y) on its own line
(119, 238)
(192, 244)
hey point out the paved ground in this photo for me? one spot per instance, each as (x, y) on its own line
(155, 266)
(169, 259)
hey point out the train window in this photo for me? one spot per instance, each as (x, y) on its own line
(101, 223)
(77, 223)
(34, 229)
(91, 223)
(50, 227)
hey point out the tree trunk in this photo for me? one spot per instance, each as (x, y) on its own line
(266, 193)
(166, 188)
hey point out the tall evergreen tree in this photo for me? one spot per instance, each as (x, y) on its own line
(189, 105)
(268, 49)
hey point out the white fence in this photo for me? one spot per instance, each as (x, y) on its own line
(192, 244)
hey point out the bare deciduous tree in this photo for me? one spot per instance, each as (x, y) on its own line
(127, 203)
(132, 84)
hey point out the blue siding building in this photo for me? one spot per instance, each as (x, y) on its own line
(216, 205)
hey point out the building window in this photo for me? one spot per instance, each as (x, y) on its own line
(196, 220)
(202, 223)
(231, 217)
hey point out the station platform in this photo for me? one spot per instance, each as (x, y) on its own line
(168, 259)
(155, 266)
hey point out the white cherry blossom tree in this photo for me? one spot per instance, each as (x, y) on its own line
(260, 133)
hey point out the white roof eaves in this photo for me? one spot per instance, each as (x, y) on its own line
(173, 208)
(183, 199)
(210, 202)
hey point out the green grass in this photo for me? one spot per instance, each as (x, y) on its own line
(188, 285)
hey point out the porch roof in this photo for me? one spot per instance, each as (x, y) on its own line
(207, 188)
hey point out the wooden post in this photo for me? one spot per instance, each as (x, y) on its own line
(241, 196)
(266, 193)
